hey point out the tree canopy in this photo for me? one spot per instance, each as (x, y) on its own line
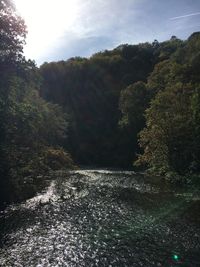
(12, 36)
(171, 137)
(135, 102)
(32, 130)
(131, 99)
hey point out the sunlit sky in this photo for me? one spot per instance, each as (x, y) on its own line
(60, 29)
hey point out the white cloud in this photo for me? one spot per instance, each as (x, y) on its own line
(59, 29)
(55, 24)
(186, 16)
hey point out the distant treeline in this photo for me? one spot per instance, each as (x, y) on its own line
(136, 104)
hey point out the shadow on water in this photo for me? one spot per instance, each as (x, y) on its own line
(103, 218)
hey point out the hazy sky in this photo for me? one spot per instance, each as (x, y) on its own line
(60, 29)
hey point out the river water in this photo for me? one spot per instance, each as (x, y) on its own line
(103, 218)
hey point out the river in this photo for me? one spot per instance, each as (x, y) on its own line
(103, 218)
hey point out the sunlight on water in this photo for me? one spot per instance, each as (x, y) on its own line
(44, 198)
(100, 218)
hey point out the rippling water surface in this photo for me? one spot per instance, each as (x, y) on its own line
(102, 218)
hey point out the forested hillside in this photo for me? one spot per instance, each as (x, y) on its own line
(89, 90)
(135, 102)
(133, 105)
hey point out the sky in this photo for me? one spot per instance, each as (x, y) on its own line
(61, 29)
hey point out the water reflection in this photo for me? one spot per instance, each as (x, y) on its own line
(102, 218)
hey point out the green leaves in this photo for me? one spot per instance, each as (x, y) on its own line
(12, 36)
(29, 126)
(133, 102)
(171, 138)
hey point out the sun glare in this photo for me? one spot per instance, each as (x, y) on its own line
(46, 21)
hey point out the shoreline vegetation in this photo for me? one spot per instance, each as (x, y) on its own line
(136, 106)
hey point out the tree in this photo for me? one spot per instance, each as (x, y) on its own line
(12, 36)
(89, 90)
(133, 102)
(32, 130)
(168, 140)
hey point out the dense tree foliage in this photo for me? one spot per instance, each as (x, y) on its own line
(111, 97)
(31, 129)
(135, 99)
(168, 138)
(171, 137)
(89, 90)
(12, 37)
(133, 103)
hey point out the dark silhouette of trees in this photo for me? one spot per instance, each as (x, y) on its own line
(31, 129)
